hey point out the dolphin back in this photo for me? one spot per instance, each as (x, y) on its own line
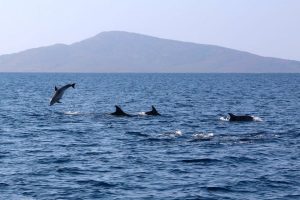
(240, 117)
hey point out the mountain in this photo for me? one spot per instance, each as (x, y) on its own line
(117, 51)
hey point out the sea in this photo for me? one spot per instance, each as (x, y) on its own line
(77, 150)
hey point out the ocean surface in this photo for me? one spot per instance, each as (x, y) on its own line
(77, 150)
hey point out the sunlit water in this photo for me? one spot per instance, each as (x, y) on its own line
(76, 150)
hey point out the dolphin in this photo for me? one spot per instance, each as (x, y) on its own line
(152, 112)
(119, 112)
(240, 117)
(59, 92)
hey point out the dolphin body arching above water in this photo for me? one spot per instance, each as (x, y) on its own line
(59, 92)
(240, 117)
(152, 112)
(119, 112)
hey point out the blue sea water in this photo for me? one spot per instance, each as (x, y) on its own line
(76, 150)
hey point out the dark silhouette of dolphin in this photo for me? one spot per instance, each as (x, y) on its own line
(240, 117)
(152, 112)
(119, 112)
(59, 92)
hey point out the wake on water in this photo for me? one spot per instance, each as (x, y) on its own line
(203, 136)
(173, 134)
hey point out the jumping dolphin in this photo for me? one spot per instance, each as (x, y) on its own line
(59, 92)
(240, 118)
(152, 112)
(119, 112)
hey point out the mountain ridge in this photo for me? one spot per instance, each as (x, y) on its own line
(119, 51)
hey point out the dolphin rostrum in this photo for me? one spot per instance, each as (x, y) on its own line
(152, 112)
(240, 117)
(119, 112)
(59, 92)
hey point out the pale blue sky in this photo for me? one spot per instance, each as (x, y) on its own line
(264, 27)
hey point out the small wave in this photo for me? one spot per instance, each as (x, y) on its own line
(218, 189)
(69, 170)
(136, 133)
(54, 160)
(95, 183)
(71, 113)
(62, 160)
(176, 133)
(201, 160)
(203, 136)
(3, 185)
(241, 159)
(15, 196)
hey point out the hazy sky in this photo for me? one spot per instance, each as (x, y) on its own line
(264, 27)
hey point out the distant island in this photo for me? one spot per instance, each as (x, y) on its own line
(118, 51)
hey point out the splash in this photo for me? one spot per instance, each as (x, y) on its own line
(174, 134)
(178, 133)
(203, 136)
(224, 119)
(257, 119)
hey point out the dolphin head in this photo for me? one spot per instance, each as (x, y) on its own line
(51, 102)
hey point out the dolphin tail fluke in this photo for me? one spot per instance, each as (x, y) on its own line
(73, 85)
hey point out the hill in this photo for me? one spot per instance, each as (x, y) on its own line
(117, 51)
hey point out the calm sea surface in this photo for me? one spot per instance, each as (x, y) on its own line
(76, 150)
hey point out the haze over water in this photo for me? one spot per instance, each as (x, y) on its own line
(76, 150)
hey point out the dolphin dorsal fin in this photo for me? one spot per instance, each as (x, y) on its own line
(119, 110)
(153, 109)
(55, 88)
(231, 115)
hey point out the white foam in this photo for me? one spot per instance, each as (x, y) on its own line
(71, 113)
(224, 119)
(142, 113)
(173, 134)
(178, 133)
(257, 119)
(203, 136)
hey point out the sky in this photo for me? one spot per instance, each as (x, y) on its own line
(264, 27)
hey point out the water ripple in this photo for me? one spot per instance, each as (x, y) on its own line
(77, 150)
